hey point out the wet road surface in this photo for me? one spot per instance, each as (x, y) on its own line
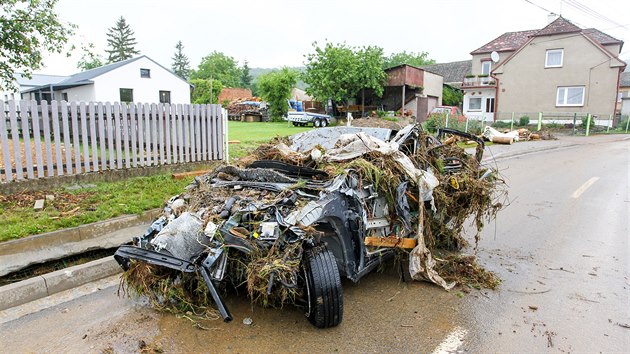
(561, 249)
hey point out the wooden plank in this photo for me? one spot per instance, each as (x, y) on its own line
(54, 112)
(213, 134)
(118, 135)
(37, 141)
(125, 131)
(84, 136)
(93, 141)
(222, 119)
(110, 135)
(186, 118)
(183, 175)
(66, 136)
(15, 136)
(47, 144)
(76, 142)
(216, 113)
(180, 132)
(191, 126)
(390, 242)
(197, 133)
(147, 133)
(161, 133)
(4, 140)
(211, 151)
(139, 113)
(174, 126)
(154, 134)
(204, 133)
(167, 132)
(101, 135)
(133, 131)
(26, 135)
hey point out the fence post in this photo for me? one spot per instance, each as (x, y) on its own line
(539, 120)
(627, 122)
(588, 123)
(512, 123)
(447, 119)
(574, 119)
(466, 129)
(609, 123)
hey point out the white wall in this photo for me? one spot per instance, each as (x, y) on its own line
(80, 94)
(433, 85)
(484, 94)
(146, 90)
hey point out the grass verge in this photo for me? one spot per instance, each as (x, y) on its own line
(250, 135)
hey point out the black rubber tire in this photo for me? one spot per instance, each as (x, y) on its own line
(295, 124)
(317, 123)
(324, 123)
(323, 288)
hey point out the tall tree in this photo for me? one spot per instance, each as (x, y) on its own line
(220, 67)
(181, 64)
(411, 58)
(205, 91)
(339, 71)
(28, 29)
(89, 59)
(246, 77)
(275, 87)
(121, 42)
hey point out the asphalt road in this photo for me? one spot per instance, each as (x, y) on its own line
(561, 248)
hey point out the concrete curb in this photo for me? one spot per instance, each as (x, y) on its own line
(45, 285)
(75, 234)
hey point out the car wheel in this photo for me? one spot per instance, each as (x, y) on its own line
(317, 123)
(324, 123)
(295, 124)
(323, 288)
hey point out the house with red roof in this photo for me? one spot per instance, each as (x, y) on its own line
(559, 70)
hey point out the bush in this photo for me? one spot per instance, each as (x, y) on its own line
(585, 121)
(381, 114)
(523, 121)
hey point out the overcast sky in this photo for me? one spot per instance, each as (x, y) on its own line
(275, 33)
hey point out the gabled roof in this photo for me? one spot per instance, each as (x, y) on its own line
(452, 72)
(624, 80)
(559, 26)
(511, 41)
(506, 42)
(38, 79)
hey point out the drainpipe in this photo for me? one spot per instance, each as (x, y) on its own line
(496, 96)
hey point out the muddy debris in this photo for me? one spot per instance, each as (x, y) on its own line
(286, 223)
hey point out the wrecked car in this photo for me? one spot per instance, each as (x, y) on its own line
(290, 220)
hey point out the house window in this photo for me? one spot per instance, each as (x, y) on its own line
(570, 96)
(126, 95)
(64, 96)
(165, 96)
(145, 73)
(490, 105)
(474, 104)
(485, 67)
(554, 58)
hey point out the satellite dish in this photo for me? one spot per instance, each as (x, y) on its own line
(494, 56)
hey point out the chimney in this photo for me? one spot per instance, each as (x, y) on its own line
(551, 17)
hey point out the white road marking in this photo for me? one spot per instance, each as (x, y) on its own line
(452, 342)
(578, 192)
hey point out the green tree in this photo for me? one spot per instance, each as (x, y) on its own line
(28, 29)
(121, 42)
(181, 64)
(218, 66)
(414, 59)
(246, 77)
(89, 60)
(275, 88)
(339, 71)
(452, 96)
(205, 92)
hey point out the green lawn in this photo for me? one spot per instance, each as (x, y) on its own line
(253, 134)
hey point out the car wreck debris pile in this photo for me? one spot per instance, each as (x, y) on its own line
(297, 214)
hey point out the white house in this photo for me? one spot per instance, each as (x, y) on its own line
(139, 79)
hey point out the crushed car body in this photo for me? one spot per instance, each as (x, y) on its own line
(296, 216)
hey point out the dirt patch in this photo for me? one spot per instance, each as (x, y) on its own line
(373, 122)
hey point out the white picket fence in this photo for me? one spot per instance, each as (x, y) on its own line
(60, 138)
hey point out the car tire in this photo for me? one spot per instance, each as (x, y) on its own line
(324, 123)
(295, 124)
(323, 288)
(317, 123)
